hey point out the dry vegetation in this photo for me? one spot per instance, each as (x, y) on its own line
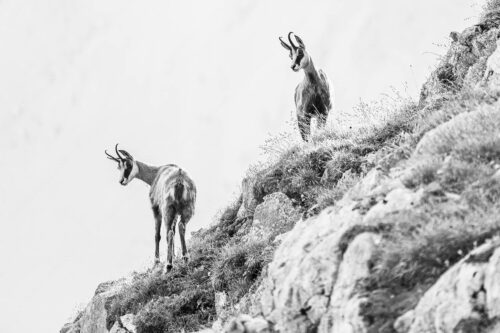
(447, 145)
(184, 298)
(316, 174)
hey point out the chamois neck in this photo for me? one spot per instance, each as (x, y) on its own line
(146, 173)
(310, 72)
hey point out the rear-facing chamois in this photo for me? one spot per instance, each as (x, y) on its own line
(312, 95)
(172, 194)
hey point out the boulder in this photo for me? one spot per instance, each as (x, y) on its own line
(124, 325)
(301, 277)
(464, 299)
(462, 64)
(224, 310)
(73, 327)
(368, 185)
(94, 318)
(396, 200)
(343, 313)
(275, 216)
(492, 73)
(247, 324)
(249, 201)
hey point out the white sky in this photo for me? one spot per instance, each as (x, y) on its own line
(197, 83)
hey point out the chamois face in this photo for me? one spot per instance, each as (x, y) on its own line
(126, 164)
(298, 54)
(128, 171)
(300, 59)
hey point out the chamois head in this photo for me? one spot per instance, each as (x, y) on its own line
(126, 164)
(300, 58)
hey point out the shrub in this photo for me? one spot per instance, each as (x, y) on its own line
(239, 265)
(189, 310)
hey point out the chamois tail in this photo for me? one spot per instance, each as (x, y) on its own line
(178, 190)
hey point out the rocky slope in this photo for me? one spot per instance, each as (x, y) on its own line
(390, 227)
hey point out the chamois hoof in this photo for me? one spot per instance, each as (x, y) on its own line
(169, 267)
(185, 258)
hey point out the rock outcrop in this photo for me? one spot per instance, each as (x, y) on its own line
(312, 283)
(465, 299)
(95, 317)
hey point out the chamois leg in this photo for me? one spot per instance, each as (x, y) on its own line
(157, 214)
(169, 220)
(304, 122)
(185, 217)
(321, 121)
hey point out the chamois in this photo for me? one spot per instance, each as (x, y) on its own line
(312, 95)
(172, 194)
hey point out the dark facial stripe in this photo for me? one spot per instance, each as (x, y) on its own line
(300, 55)
(128, 169)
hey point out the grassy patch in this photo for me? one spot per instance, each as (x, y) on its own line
(309, 172)
(239, 265)
(456, 157)
(182, 299)
(189, 310)
(169, 302)
(419, 248)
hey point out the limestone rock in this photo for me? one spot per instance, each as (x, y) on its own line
(247, 324)
(94, 318)
(403, 323)
(274, 216)
(474, 125)
(457, 67)
(124, 325)
(73, 327)
(249, 202)
(368, 184)
(464, 299)
(223, 309)
(117, 328)
(396, 200)
(343, 312)
(492, 73)
(127, 322)
(303, 273)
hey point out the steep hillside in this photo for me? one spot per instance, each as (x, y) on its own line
(388, 226)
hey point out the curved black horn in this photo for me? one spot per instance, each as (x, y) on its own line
(285, 45)
(118, 153)
(111, 157)
(290, 40)
(126, 154)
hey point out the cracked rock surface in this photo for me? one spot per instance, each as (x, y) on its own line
(465, 299)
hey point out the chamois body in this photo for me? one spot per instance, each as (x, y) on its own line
(312, 99)
(312, 94)
(172, 194)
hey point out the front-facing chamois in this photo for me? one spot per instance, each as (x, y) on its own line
(172, 194)
(312, 95)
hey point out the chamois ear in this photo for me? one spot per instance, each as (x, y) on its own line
(126, 154)
(285, 45)
(300, 42)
